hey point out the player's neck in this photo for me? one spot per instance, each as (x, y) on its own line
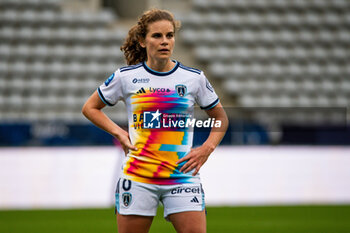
(160, 65)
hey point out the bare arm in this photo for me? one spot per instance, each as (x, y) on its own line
(216, 134)
(92, 110)
(198, 156)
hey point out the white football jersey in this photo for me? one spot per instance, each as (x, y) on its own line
(157, 103)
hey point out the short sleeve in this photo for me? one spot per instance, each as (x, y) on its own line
(206, 96)
(111, 90)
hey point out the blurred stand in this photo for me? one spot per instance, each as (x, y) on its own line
(280, 67)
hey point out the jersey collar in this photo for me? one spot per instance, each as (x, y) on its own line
(161, 73)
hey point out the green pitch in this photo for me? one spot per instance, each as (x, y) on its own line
(274, 219)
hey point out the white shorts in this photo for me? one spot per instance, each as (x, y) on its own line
(135, 198)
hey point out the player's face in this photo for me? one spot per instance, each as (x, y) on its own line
(160, 40)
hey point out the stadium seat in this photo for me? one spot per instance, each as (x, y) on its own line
(341, 101)
(289, 50)
(5, 51)
(220, 70)
(295, 50)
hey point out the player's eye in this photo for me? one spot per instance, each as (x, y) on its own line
(156, 35)
(170, 35)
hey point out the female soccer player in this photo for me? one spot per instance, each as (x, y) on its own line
(160, 94)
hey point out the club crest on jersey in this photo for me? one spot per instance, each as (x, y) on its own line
(127, 198)
(109, 80)
(181, 90)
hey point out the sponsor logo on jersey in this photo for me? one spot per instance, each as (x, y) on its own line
(185, 190)
(159, 90)
(181, 90)
(140, 80)
(109, 80)
(195, 200)
(127, 198)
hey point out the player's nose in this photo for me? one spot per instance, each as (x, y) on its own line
(165, 40)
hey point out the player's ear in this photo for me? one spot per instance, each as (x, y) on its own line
(142, 43)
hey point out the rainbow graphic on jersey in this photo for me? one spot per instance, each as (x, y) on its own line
(159, 147)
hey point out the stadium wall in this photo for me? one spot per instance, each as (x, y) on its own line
(82, 177)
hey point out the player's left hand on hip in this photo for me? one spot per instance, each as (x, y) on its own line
(195, 160)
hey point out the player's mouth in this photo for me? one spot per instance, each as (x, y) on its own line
(164, 50)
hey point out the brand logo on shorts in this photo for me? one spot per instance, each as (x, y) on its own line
(195, 200)
(127, 198)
